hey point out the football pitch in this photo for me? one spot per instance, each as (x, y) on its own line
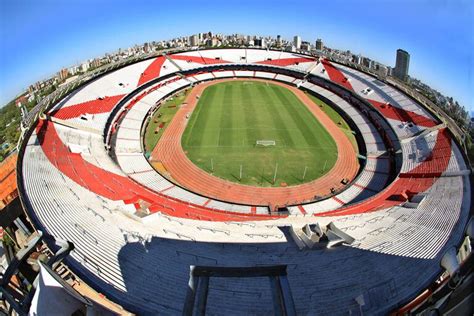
(230, 117)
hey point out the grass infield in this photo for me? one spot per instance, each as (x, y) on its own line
(162, 117)
(336, 118)
(230, 117)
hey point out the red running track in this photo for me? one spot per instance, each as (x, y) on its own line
(170, 153)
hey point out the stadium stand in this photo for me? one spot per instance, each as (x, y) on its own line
(136, 233)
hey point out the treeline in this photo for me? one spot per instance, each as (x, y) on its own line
(470, 145)
(461, 116)
(457, 112)
(10, 118)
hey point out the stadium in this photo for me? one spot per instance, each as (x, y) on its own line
(247, 181)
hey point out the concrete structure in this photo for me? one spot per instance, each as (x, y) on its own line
(260, 42)
(402, 65)
(85, 66)
(194, 40)
(297, 42)
(356, 59)
(138, 236)
(381, 70)
(367, 62)
(306, 46)
(63, 73)
(319, 44)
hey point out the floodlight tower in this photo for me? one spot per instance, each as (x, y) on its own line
(23, 122)
(24, 114)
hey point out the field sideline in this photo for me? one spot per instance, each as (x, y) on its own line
(231, 116)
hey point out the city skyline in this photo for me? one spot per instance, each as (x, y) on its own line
(26, 59)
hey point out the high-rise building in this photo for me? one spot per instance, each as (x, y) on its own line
(95, 63)
(194, 40)
(389, 71)
(146, 48)
(356, 59)
(305, 46)
(73, 70)
(278, 41)
(319, 44)
(381, 70)
(297, 42)
(63, 73)
(402, 64)
(85, 66)
(367, 62)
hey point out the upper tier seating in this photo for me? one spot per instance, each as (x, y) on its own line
(74, 190)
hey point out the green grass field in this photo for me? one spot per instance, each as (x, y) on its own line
(230, 117)
(336, 118)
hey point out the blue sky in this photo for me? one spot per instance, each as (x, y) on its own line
(37, 38)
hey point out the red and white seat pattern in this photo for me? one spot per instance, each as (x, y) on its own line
(76, 191)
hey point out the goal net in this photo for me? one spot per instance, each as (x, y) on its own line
(265, 142)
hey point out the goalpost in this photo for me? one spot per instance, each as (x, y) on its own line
(265, 142)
